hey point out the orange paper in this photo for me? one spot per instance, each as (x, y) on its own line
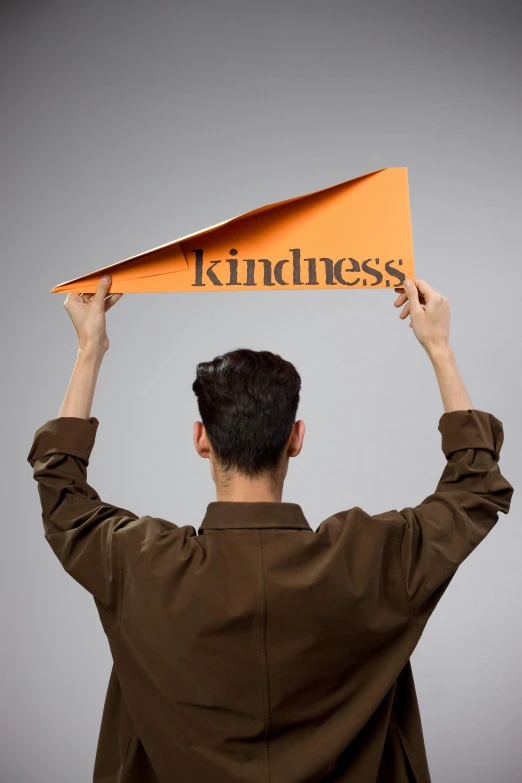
(356, 234)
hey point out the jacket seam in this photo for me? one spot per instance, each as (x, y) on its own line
(264, 660)
(404, 592)
(119, 583)
(126, 756)
(407, 751)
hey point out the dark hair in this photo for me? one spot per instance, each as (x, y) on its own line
(248, 401)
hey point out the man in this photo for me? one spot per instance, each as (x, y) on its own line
(258, 649)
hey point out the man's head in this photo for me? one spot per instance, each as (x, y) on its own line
(248, 401)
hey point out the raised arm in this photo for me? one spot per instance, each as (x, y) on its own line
(82, 529)
(436, 536)
(430, 320)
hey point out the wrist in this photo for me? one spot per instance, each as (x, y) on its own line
(440, 352)
(91, 352)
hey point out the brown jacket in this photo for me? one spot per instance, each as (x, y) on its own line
(257, 649)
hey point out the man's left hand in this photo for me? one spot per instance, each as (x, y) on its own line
(87, 312)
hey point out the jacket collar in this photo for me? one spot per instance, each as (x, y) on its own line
(227, 514)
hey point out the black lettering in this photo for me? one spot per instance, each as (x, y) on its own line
(375, 272)
(401, 277)
(296, 252)
(199, 267)
(338, 271)
(328, 269)
(215, 279)
(251, 263)
(267, 271)
(233, 271)
(278, 271)
(312, 273)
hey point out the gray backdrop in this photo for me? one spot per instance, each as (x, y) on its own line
(128, 124)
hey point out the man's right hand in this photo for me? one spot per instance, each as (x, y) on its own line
(429, 312)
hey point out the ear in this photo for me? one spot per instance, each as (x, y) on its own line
(295, 441)
(200, 440)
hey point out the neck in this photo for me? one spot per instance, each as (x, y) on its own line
(240, 489)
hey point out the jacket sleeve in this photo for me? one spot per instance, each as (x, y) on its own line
(78, 525)
(437, 535)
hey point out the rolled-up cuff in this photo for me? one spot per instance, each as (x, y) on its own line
(471, 429)
(64, 435)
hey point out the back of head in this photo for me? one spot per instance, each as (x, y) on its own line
(248, 402)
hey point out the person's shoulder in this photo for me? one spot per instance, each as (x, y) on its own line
(148, 533)
(356, 519)
(343, 520)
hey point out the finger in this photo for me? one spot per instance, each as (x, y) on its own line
(412, 293)
(111, 300)
(70, 298)
(400, 289)
(102, 289)
(405, 312)
(400, 300)
(425, 290)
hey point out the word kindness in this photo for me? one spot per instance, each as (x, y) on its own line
(297, 271)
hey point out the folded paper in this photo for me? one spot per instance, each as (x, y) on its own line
(356, 234)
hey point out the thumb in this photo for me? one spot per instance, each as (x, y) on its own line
(104, 283)
(412, 295)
